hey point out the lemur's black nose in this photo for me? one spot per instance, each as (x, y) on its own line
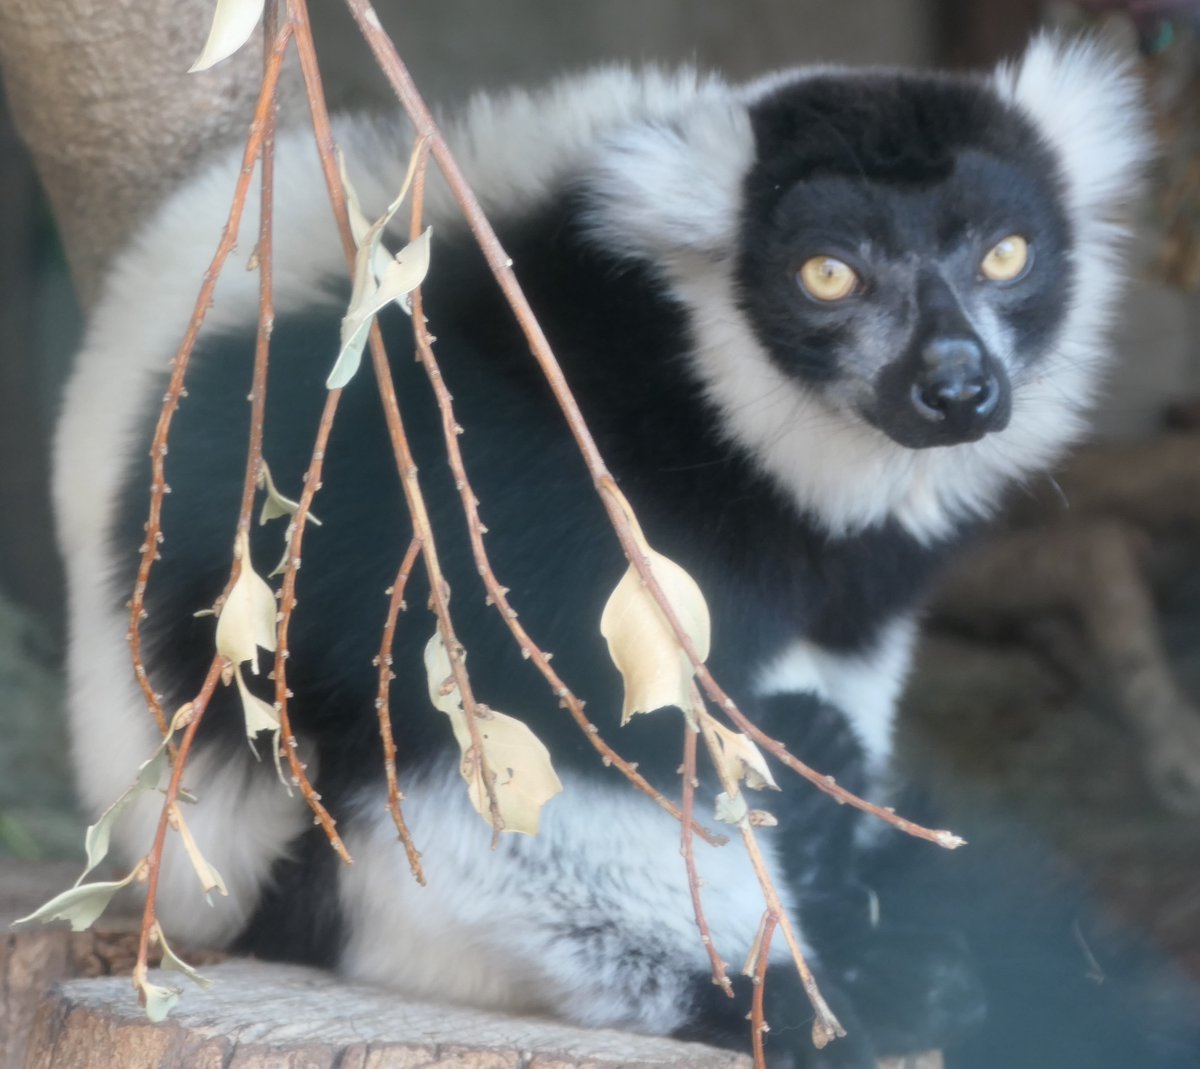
(955, 385)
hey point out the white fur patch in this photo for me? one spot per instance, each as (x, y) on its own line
(841, 472)
(864, 686)
(573, 921)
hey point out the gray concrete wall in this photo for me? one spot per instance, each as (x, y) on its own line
(455, 46)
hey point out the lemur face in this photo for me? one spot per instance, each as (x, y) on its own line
(906, 253)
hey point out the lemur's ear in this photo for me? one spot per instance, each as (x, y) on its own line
(1088, 102)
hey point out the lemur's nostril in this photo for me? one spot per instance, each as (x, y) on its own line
(955, 383)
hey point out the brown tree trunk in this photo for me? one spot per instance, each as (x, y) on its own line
(100, 92)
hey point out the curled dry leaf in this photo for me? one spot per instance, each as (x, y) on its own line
(525, 779)
(656, 670)
(210, 879)
(232, 25)
(398, 279)
(172, 961)
(247, 618)
(260, 716)
(97, 839)
(149, 777)
(730, 808)
(275, 504)
(378, 278)
(81, 905)
(157, 1000)
(736, 755)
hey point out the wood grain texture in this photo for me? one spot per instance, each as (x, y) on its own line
(259, 1016)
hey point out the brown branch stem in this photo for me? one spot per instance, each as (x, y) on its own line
(386, 675)
(497, 593)
(687, 849)
(158, 449)
(405, 465)
(153, 860)
(826, 1026)
(614, 501)
(758, 1020)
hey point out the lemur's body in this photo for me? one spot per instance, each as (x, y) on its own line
(809, 459)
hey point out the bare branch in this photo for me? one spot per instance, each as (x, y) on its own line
(386, 675)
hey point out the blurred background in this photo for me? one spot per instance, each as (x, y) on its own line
(1056, 700)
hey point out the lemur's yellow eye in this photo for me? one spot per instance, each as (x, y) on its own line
(1006, 259)
(827, 279)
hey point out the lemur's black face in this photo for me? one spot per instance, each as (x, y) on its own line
(907, 255)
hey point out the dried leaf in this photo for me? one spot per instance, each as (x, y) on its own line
(210, 879)
(730, 809)
(525, 779)
(160, 1000)
(259, 715)
(275, 504)
(736, 755)
(361, 228)
(170, 960)
(232, 25)
(525, 776)
(656, 670)
(247, 618)
(81, 905)
(98, 836)
(371, 263)
(439, 674)
(396, 281)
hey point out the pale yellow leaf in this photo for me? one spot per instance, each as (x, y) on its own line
(172, 961)
(275, 504)
(232, 25)
(656, 670)
(259, 715)
(525, 779)
(210, 879)
(397, 280)
(736, 755)
(247, 619)
(361, 229)
(525, 776)
(439, 674)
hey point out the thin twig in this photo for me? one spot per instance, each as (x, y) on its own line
(758, 1020)
(298, 21)
(287, 739)
(260, 142)
(386, 675)
(687, 849)
(497, 593)
(614, 502)
(153, 860)
(405, 465)
(179, 365)
(826, 1026)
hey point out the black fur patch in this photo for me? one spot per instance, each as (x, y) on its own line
(768, 573)
(898, 176)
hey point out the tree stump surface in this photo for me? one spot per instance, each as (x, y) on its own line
(260, 1016)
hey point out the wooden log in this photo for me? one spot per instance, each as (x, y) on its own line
(34, 959)
(66, 1002)
(260, 1016)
